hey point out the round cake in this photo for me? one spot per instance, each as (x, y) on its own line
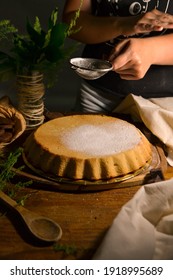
(88, 147)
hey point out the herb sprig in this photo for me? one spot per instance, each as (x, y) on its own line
(7, 175)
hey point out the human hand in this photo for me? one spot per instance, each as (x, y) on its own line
(151, 21)
(131, 58)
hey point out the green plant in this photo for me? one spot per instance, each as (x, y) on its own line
(67, 249)
(6, 165)
(6, 28)
(38, 50)
(7, 175)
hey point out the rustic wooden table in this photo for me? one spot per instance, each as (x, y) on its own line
(83, 216)
(84, 219)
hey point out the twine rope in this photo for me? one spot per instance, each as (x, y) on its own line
(30, 90)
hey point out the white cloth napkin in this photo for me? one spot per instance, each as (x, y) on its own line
(156, 114)
(143, 229)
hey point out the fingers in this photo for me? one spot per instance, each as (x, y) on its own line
(128, 72)
(162, 18)
(154, 21)
(123, 65)
(143, 28)
(119, 49)
(130, 59)
(158, 18)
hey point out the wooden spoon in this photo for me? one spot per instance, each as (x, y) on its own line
(41, 227)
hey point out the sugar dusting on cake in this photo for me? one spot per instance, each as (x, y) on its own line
(101, 140)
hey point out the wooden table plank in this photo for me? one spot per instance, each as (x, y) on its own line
(84, 219)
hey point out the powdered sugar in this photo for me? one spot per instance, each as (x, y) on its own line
(105, 139)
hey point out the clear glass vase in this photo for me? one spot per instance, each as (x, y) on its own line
(30, 92)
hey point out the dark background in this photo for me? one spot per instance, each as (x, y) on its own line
(63, 95)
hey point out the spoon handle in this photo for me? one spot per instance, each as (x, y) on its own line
(24, 213)
(9, 201)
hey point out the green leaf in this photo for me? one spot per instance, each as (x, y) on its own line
(53, 51)
(47, 39)
(7, 175)
(27, 53)
(37, 25)
(6, 28)
(67, 249)
(53, 18)
(37, 36)
(19, 44)
(20, 47)
(58, 34)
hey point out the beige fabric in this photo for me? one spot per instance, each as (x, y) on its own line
(143, 229)
(156, 114)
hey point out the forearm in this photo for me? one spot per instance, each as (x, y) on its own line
(93, 30)
(161, 49)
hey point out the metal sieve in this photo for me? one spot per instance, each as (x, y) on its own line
(89, 68)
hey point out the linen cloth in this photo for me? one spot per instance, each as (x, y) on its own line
(156, 114)
(143, 229)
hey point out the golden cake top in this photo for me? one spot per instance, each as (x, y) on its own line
(87, 136)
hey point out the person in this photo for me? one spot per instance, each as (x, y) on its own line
(136, 37)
